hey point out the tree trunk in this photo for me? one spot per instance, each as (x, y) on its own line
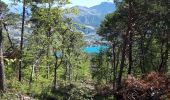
(47, 61)
(2, 73)
(122, 64)
(164, 56)
(142, 54)
(48, 39)
(66, 70)
(55, 76)
(10, 41)
(117, 59)
(22, 41)
(130, 36)
(56, 66)
(69, 65)
(114, 66)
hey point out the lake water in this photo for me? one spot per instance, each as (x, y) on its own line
(94, 49)
(89, 50)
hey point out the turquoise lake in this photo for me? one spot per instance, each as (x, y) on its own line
(89, 50)
(94, 49)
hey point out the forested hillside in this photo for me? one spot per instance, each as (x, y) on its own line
(48, 61)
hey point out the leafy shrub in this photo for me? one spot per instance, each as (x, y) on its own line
(153, 86)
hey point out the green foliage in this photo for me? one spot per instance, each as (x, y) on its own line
(80, 93)
(100, 68)
(53, 54)
(148, 34)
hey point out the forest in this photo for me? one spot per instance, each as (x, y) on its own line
(46, 61)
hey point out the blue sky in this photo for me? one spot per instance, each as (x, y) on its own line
(87, 3)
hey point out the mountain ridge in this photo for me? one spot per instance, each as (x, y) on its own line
(91, 17)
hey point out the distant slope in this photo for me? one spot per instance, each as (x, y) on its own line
(18, 9)
(89, 17)
(104, 8)
(92, 17)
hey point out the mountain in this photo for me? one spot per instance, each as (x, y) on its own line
(92, 17)
(89, 17)
(17, 8)
(104, 8)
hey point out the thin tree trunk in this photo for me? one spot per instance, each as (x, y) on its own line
(142, 55)
(164, 56)
(2, 72)
(47, 62)
(107, 66)
(130, 37)
(117, 59)
(56, 66)
(34, 66)
(122, 64)
(49, 43)
(114, 66)
(55, 76)
(22, 41)
(66, 69)
(10, 41)
(69, 66)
